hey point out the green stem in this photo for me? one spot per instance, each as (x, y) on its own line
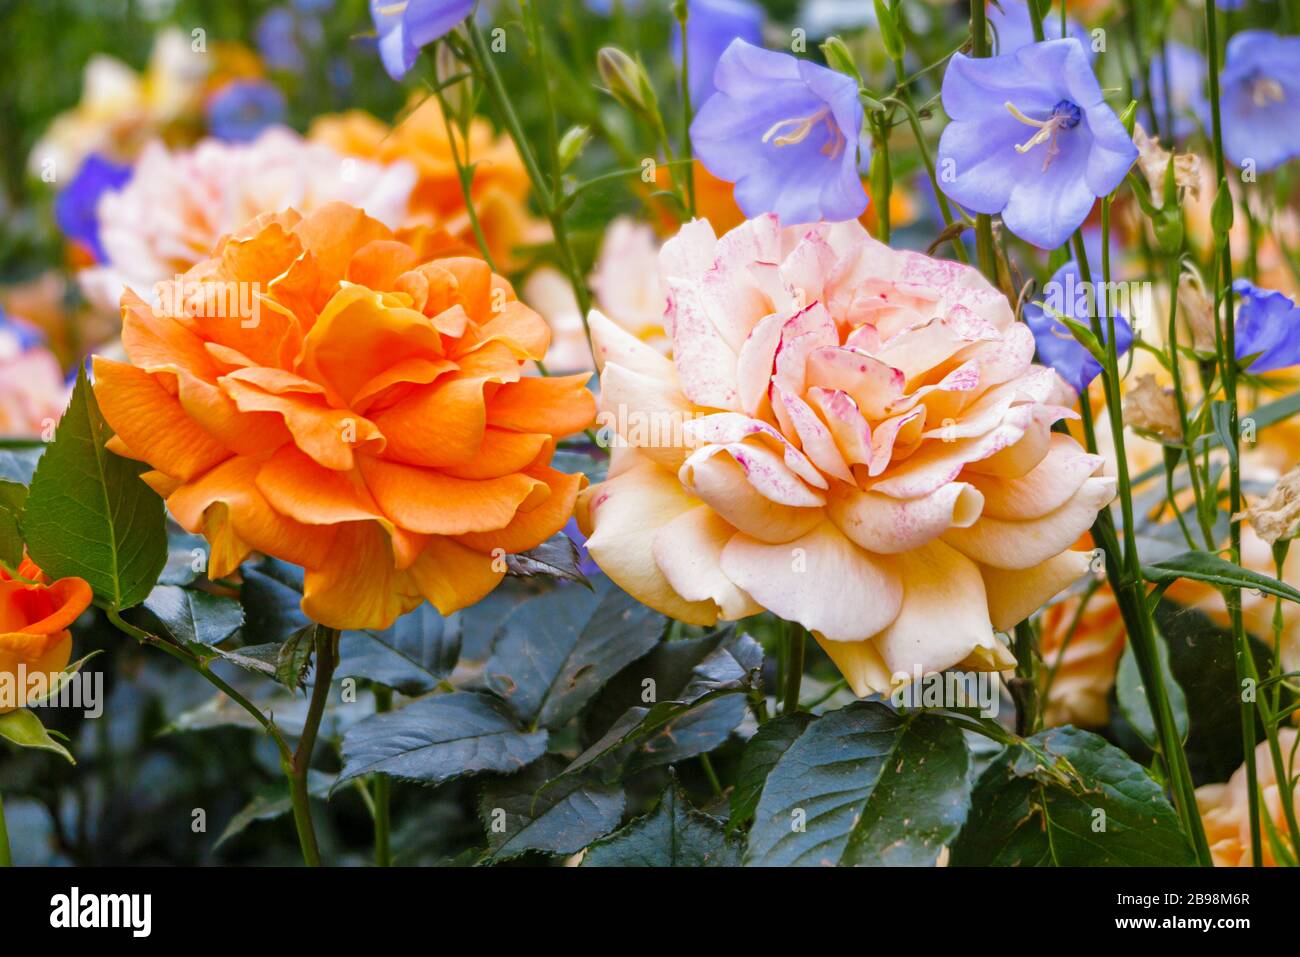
(6, 856)
(797, 639)
(327, 651)
(714, 784)
(383, 794)
(986, 255)
(682, 12)
(1225, 334)
(464, 173)
(1124, 571)
(1028, 718)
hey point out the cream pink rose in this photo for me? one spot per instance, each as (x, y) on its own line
(851, 437)
(1225, 808)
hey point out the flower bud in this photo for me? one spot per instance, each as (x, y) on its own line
(572, 143)
(626, 79)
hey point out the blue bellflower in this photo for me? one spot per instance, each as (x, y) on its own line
(1187, 102)
(74, 208)
(1267, 328)
(1067, 294)
(786, 132)
(1031, 138)
(1260, 101)
(407, 26)
(241, 110)
(711, 25)
(1013, 28)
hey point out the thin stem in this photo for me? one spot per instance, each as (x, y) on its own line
(1028, 717)
(979, 38)
(327, 650)
(714, 784)
(465, 173)
(682, 11)
(6, 856)
(793, 667)
(383, 793)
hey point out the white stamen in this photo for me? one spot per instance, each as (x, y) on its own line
(802, 127)
(1047, 130)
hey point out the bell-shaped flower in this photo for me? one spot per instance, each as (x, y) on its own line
(406, 26)
(1066, 294)
(786, 132)
(1031, 138)
(1260, 99)
(1268, 328)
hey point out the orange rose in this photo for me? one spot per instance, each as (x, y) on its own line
(367, 418)
(34, 620)
(499, 190)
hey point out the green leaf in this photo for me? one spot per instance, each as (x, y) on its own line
(438, 738)
(89, 515)
(25, 730)
(673, 835)
(274, 801)
(553, 653)
(1132, 695)
(761, 755)
(294, 657)
(195, 617)
(1081, 802)
(557, 557)
(863, 786)
(412, 656)
(519, 814)
(12, 497)
(1205, 567)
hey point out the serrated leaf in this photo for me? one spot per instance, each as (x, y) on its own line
(293, 657)
(673, 835)
(439, 738)
(195, 617)
(272, 597)
(12, 497)
(520, 815)
(24, 729)
(761, 755)
(272, 802)
(412, 657)
(1096, 807)
(557, 557)
(863, 786)
(89, 515)
(1203, 566)
(554, 652)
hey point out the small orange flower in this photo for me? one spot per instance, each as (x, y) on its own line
(34, 620)
(437, 211)
(367, 418)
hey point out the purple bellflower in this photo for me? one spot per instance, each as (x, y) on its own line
(1187, 102)
(1031, 138)
(711, 25)
(1268, 328)
(1260, 101)
(1067, 294)
(74, 208)
(1013, 28)
(406, 26)
(241, 110)
(786, 132)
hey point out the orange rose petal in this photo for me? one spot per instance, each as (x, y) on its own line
(378, 264)
(68, 598)
(406, 372)
(152, 423)
(333, 234)
(161, 482)
(361, 587)
(422, 500)
(244, 433)
(263, 255)
(503, 452)
(523, 330)
(465, 282)
(453, 577)
(528, 529)
(115, 445)
(296, 486)
(156, 342)
(559, 405)
(39, 654)
(438, 424)
(247, 514)
(244, 318)
(326, 434)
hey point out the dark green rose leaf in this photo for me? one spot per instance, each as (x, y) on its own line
(761, 754)
(674, 834)
(520, 813)
(195, 617)
(412, 657)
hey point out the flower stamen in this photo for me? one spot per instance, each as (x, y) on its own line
(1265, 90)
(1065, 116)
(802, 127)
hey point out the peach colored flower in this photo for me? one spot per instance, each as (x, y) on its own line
(178, 204)
(851, 437)
(34, 619)
(1225, 808)
(32, 389)
(1082, 661)
(367, 419)
(499, 190)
